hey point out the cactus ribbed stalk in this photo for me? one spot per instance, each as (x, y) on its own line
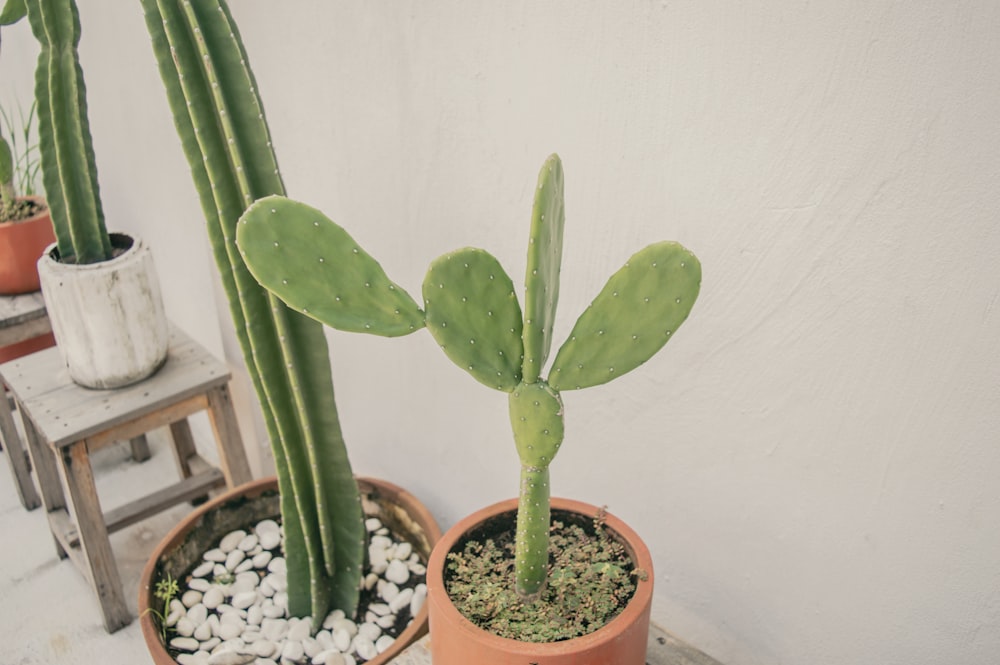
(472, 311)
(69, 169)
(219, 117)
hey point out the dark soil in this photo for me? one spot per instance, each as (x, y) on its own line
(591, 579)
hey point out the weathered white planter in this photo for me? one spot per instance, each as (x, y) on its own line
(107, 318)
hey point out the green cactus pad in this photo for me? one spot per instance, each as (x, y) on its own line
(473, 313)
(315, 267)
(637, 312)
(541, 280)
(536, 416)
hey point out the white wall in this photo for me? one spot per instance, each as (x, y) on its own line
(814, 459)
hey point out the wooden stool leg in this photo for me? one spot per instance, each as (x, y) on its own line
(184, 448)
(232, 456)
(43, 459)
(140, 448)
(103, 571)
(17, 457)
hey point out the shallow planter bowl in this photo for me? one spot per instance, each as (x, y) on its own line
(457, 641)
(182, 548)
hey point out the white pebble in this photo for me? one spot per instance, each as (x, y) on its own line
(243, 566)
(230, 658)
(200, 584)
(268, 540)
(299, 629)
(342, 640)
(274, 629)
(255, 614)
(203, 632)
(213, 598)
(230, 630)
(191, 598)
(397, 572)
(248, 543)
(175, 616)
(198, 613)
(231, 540)
(277, 565)
(185, 627)
(265, 648)
(261, 560)
(388, 621)
(345, 625)
(234, 558)
(215, 555)
(244, 600)
(203, 569)
(292, 651)
(328, 657)
(185, 643)
(384, 642)
(419, 596)
(369, 631)
(402, 600)
(373, 524)
(403, 551)
(364, 647)
(272, 611)
(388, 591)
(381, 609)
(197, 658)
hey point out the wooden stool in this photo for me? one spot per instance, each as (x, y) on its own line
(23, 321)
(64, 423)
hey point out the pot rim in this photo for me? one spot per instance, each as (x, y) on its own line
(638, 605)
(134, 249)
(417, 510)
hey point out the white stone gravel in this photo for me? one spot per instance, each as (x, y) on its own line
(234, 609)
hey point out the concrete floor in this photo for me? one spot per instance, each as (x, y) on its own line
(48, 613)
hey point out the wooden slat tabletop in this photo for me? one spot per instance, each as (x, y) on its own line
(65, 412)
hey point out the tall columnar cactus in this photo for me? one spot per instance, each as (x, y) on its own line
(69, 170)
(471, 309)
(220, 120)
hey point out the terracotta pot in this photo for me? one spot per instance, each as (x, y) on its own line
(21, 243)
(181, 549)
(108, 317)
(457, 641)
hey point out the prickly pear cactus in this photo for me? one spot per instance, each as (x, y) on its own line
(471, 309)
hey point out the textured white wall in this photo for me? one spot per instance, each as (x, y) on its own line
(814, 459)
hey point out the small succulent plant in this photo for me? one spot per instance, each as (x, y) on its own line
(471, 309)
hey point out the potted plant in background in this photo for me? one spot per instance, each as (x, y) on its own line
(25, 225)
(219, 117)
(471, 309)
(101, 290)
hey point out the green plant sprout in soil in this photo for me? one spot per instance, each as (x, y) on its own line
(591, 579)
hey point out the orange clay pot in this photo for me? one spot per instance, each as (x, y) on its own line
(21, 243)
(182, 548)
(457, 641)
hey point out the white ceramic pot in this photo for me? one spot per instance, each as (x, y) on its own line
(107, 318)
